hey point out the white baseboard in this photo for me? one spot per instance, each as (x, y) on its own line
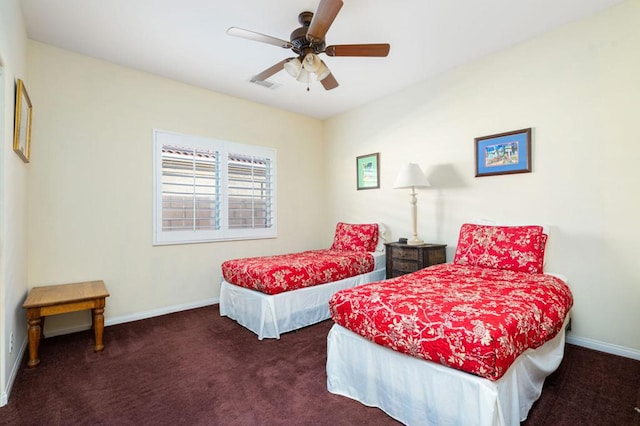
(609, 348)
(139, 316)
(162, 311)
(4, 397)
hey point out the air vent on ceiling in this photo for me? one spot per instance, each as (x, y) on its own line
(266, 83)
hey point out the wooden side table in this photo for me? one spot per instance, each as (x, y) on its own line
(404, 258)
(60, 299)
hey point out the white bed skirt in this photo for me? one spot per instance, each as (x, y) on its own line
(418, 392)
(271, 315)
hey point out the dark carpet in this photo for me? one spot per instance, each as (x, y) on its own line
(197, 368)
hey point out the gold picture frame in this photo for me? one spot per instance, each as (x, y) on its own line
(22, 130)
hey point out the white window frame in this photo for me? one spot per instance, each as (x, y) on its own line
(224, 148)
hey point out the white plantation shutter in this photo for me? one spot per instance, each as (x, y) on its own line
(190, 189)
(250, 183)
(210, 190)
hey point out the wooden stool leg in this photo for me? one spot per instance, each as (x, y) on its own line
(34, 341)
(98, 328)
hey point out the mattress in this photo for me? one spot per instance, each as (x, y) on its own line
(268, 316)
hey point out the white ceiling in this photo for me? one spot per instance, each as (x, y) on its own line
(186, 40)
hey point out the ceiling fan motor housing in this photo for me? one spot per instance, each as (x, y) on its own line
(298, 37)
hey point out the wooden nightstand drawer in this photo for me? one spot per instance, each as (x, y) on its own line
(436, 257)
(405, 253)
(405, 267)
(404, 259)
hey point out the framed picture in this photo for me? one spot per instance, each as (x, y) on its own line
(22, 130)
(368, 171)
(504, 153)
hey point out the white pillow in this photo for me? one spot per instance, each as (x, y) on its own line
(382, 237)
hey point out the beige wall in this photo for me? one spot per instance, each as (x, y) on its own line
(13, 199)
(90, 203)
(578, 88)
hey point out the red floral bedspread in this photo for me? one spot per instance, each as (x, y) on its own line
(276, 274)
(474, 319)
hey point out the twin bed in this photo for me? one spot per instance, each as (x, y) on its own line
(271, 295)
(469, 342)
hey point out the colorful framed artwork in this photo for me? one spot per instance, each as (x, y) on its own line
(504, 153)
(22, 130)
(368, 171)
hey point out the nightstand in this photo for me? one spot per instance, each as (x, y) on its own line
(404, 258)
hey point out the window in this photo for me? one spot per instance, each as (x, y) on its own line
(211, 190)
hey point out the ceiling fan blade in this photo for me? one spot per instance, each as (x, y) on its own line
(378, 50)
(252, 35)
(329, 82)
(270, 71)
(322, 20)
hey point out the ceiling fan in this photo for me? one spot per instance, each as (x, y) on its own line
(308, 42)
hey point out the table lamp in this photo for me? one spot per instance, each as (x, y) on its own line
(411, 176)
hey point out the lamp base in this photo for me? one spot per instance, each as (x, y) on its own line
(415, 242)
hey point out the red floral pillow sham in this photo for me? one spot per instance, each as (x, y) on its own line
(513, 248)
(355, 237)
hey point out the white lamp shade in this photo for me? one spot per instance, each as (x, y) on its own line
(304, 76)
(293, 67)
(322, 72)
(411, 176)
(311, 62)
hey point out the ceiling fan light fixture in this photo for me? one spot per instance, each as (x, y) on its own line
(311, 62)
(322, 72)
(293, 67)
(304, 76)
